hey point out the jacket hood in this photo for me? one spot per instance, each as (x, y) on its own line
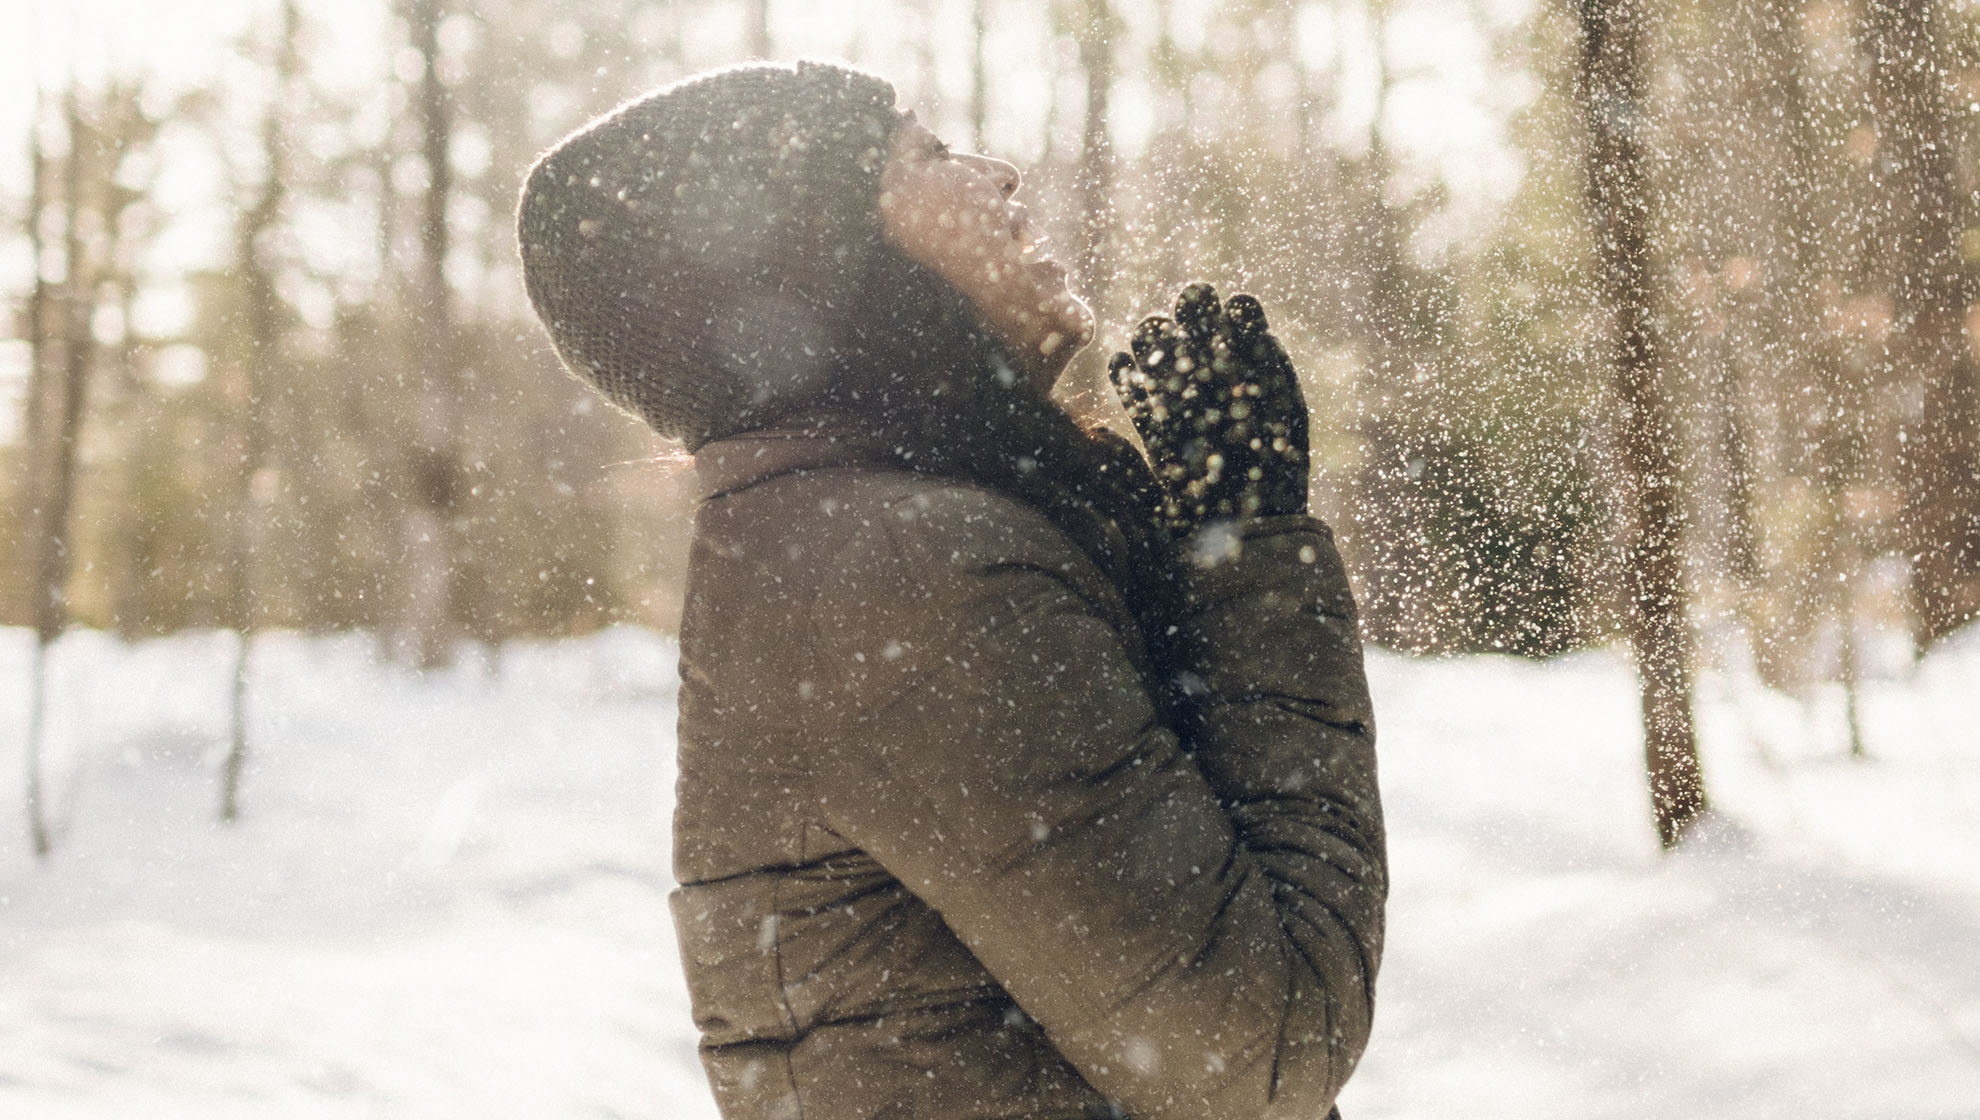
(698, 253)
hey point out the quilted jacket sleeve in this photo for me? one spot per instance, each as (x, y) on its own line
(1196, 925)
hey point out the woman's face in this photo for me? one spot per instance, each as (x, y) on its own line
(952, 212)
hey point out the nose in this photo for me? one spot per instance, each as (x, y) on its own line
(1006, 174)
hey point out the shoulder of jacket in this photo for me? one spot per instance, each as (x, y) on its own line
(940, 524)
(896, 547)
(933, 568)
(871, 513)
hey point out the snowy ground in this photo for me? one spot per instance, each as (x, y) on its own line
(447, 897)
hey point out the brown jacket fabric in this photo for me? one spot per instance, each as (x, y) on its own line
(941, 858)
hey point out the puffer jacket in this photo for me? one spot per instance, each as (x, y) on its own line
(941, 858)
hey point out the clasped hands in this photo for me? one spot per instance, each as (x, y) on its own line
(1220, 411)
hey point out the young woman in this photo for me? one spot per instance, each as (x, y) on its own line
(1017, 779)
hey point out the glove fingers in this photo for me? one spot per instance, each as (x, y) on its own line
(1271, 370)
(1247, 317)
(1285, 384)
(1131, 389)
(1153, 342)
(1198, 311)
(1219, 408)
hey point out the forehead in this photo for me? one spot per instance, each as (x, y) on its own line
(911, 130)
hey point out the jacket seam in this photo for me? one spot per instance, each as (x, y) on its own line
(783, 992)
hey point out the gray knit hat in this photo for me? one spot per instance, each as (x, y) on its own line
(696, 252)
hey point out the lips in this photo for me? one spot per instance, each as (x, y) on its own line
(1031, 243)
(1028, 239)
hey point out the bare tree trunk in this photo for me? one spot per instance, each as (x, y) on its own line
(1309, 99)
(1852, 677)
(1738, 549)
(37, 811)
(78, 357)
(928, 67)
(759, 28)
(34, 477)
(1096, 163)
(1834, 442)
(262, 307)
(1083, 388)
(435, 467)
(130, 586)
(59, 436)
(1397, 612)
(979, 97)
(1610, 86)
(1926, 210)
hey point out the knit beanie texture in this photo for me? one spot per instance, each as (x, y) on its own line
(697, 253)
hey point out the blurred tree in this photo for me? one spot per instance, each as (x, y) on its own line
(40, 343)
(1094, 30)
(83, 191)
(1397, 511)
(979, 98)
(1824, 405)
(265, 319)
(1923, 214)
(1610, 84)
(758, 28)
(434, 473)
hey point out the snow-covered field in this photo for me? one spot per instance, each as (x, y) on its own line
(447, 896)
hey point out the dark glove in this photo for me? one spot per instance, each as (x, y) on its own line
(1219, 409)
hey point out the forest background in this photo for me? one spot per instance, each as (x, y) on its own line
(1648, 322)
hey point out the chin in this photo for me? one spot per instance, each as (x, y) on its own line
(1075, 324)
(1080, 321)
(1054, 350)
(1044, 341)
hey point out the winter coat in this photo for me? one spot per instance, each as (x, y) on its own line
(940, 856)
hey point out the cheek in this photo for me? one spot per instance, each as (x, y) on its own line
(932, 220)
(985, 265)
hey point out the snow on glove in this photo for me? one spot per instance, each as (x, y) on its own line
(1219, 409)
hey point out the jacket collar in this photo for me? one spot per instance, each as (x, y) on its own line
(823, 442)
